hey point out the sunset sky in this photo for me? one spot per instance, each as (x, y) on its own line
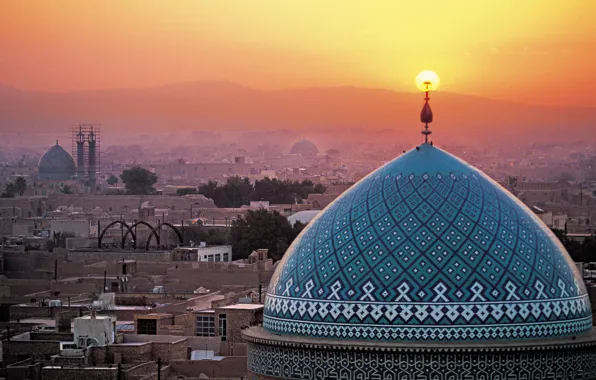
(535, 51)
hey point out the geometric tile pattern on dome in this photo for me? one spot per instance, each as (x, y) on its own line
(298, 363)
(423, 244)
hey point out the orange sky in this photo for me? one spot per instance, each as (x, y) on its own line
(537, 51)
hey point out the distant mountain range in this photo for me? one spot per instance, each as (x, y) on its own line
(222, 106)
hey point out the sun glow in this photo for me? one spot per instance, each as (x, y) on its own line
(427, 81)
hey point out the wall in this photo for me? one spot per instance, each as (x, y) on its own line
(79, 228)
(38, 349)
(167, 351)
(87, 373)
(131, 354)
(238, 318)
(25, 369)
(210, 277)
(51, 336)
(125, 203)
(195, 342)
(231, 366)
(95, 256)
(22, 312)
(141, 370)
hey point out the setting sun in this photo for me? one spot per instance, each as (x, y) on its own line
(427, 81)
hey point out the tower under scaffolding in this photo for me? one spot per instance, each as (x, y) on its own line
(86, 147)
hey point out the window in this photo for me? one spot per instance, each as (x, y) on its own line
(147, 326)
(223, 327)
(210, 258)
(225, 257)
(218, 257)
(205, 325)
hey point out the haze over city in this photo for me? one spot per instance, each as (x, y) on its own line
(301, 65)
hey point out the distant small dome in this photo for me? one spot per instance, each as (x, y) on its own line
(305, 148)
(56, 165)
(303, 217)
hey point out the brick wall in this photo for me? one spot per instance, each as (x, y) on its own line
(37, 349)
(230, 367)
(88, 373)
(233, 349)
(22, 312)
(170, 351)
(187, 321)
(238, 318)
(52, 336)
(25, 369)
(98, 355)
(141, 370)
(138, 353)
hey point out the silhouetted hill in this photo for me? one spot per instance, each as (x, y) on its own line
(228, 106)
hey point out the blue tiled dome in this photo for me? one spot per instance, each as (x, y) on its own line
(56, 165)
(427, 248)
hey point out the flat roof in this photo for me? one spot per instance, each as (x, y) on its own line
(204, 311)
(154, 315)
(96, 317)
(243, 306)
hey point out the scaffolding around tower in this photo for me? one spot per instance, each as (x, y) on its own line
(86, 147)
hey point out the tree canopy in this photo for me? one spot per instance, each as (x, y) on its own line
(138, 181)
(262, 229)
(234, 193)
(67, 189)
(21, 185)
(10, 190)
(112, 180)
(238, 191)
(211, 236)
(579, 252)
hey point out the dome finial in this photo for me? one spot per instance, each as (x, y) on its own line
(56, 142)
(427, 81)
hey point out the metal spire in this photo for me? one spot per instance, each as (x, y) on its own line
(426, 115)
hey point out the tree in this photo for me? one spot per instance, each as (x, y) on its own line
(579, 252)
(186, 191)
(138, 181)
(262, 229)
(67, 189)
(21, 185)
(278, 191)
(211, 236)
(238, 191)
(10, 190)
(112, 180)
(235, 193)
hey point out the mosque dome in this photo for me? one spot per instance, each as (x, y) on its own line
(427, 248)
(304, 148)
(56, 165)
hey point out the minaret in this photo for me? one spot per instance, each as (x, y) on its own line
(92, 159)
(80, 154)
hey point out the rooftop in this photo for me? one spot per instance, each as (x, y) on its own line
(243, 306)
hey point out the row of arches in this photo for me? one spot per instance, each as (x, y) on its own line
(130, 229)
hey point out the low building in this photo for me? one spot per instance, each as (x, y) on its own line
(219, 253)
